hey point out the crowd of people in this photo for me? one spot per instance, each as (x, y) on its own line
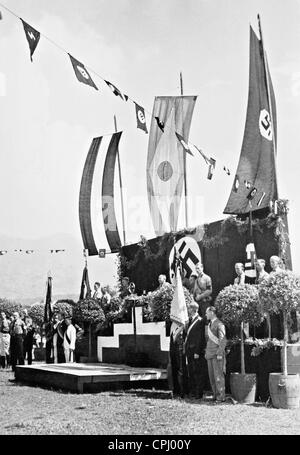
(16, 339)
(202, 345)
(18, 332)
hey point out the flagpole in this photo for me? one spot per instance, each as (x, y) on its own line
(184, 168)
(121, 185)
(269, 100)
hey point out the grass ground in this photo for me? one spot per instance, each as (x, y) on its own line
(35, 411)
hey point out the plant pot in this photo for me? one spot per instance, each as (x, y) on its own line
(284, 390)
(243, 387)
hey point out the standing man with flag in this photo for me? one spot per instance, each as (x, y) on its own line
(179, 319)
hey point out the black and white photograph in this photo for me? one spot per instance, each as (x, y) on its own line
(150, 218)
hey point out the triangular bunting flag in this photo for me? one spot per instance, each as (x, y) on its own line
(82, 73)
(116, 91)
(236, 184)
(212, 165)
(33, 37)
(203, 156)
(261, 199)
(252, 193)
(183, 143)
(247, 184)
(140, 118)
(160, 124)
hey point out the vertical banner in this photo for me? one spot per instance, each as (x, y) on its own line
(257, 159)
(165, 168)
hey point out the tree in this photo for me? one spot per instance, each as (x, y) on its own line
(239, 304)
(89, 311)
(10, 306)
(36, 313)
(281, 292)
(64, 307)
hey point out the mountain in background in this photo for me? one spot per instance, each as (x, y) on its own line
(23, 276)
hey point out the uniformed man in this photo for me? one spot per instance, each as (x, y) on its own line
(202, 289)
(215, 354)
(194, 349)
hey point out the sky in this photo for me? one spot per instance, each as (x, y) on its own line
(48, 119)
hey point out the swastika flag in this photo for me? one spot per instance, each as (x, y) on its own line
(82, 73)
(116, 91)
(33, 37)
(140, 118)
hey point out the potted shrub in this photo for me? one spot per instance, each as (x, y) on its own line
(281, 293)
(238, 305)
(89, 311)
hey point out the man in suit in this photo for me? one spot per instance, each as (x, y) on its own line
(194, 348)
(215, 354)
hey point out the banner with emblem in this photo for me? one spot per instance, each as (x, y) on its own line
(32, 36)
(82, 73)
(178, 310)
(140, 118)
(165, 167)
(257, 159)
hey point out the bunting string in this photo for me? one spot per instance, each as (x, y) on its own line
(82, 74)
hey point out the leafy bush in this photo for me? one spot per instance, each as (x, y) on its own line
(63, 306)
(280, 292)
(239, 303)
(160, 303)
(36, 313)
(88, 310)
(10, 306)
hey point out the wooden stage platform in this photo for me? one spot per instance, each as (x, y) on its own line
(90, 377)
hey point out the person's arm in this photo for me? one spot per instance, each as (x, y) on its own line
(222, 339)
(72, 338)
(242, 280)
